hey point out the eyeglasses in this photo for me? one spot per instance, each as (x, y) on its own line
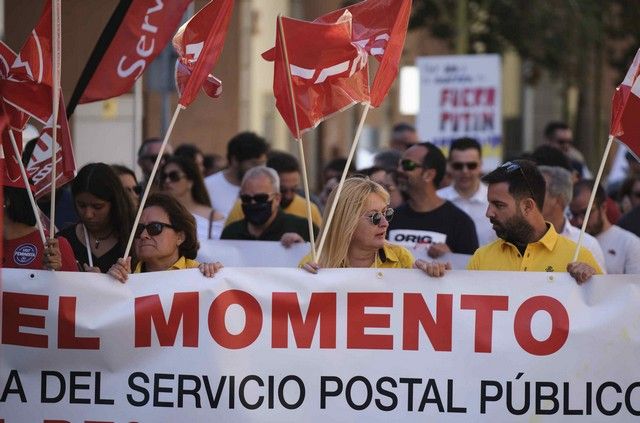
(173, 176)
(153, 228)
(258, 198)
(376, 217)
(462, 165)
(511, 167)
(409, 165)
(153, 157)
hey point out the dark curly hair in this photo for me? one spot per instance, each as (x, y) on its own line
(181, 219)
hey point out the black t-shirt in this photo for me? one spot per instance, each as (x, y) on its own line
(104, 262)
(445, 220)
(282, 224)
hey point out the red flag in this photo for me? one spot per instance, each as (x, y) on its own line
(329, 73)
(199, 43)
(39, 166)
(143, 33)
(625, 108)
(380, 27)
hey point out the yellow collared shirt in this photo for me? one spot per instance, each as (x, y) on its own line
(391, 257)
(182, 263)
(551, 253)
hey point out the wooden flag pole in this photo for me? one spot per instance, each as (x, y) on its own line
(305, 177)
(596, 183)
(354, 144)
(55, 57)
(147, 188)
(25, 178)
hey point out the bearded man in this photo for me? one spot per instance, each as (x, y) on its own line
(526, 241)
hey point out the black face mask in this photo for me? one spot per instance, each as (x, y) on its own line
(257, 213)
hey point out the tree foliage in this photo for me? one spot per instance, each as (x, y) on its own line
(554, 35)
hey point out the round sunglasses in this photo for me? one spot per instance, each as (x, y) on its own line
(376, 218)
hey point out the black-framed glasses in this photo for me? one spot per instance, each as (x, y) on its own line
(462, 165)
(153, 228)
(511, 167)
(258, 198)
(173, 176)
(409, 165)
(376, 218)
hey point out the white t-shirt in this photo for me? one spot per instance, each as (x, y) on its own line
(202, 227)
(222, 193)
(621, 250)
(588, 241)
(476, 208)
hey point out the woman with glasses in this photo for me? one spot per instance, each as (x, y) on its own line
(165, 240)
(181, 178)
(106, 218)
(357, 235)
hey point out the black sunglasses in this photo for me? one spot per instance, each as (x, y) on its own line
(462, 165)
(376, 217)
(258, 198)
(137, 189)
(409, 165)
(173, 176)
(511, 167)
(153, 228)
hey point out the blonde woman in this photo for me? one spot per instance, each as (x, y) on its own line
(357, 235)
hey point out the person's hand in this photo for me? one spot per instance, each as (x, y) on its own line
(433, 269)
(311, 267)
(121, 269)
(87, 268)
(581, 272)
(438, 249)
(51, 257)
(290, 238)
(210, 269)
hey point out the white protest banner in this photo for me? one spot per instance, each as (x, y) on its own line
(282, 345)
(460, 96)
(236, 253)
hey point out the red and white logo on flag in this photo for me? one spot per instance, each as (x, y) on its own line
(329, 72)
(199, 43)
(625, 108)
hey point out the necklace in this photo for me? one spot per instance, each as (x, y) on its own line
(97, 241)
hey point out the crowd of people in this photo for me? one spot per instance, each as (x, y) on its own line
(410, 210)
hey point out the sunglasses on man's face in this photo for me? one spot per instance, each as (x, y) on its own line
(409, 165)
(153, 228)
(376, 218)
(462, 165)
(173, 176)
(258, 198)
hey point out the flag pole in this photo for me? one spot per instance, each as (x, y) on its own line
(305, 177)
(596, 183)
(354, 144)
(165, 141)
(55, 57)
(25, 178)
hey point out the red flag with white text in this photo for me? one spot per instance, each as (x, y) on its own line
(380, 27)
(329, 73)
(199, 43)
(625, 108)
(39, 166)
(142, 35)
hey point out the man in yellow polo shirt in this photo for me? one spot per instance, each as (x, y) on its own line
(288, 170)
(526, 241)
